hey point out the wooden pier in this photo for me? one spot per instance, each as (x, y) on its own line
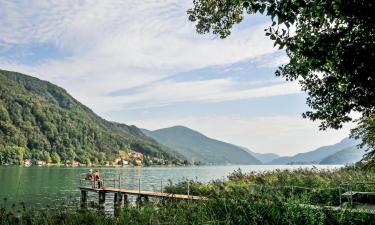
(122, 194)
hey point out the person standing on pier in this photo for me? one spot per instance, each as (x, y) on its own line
(90, 177)
(98, 179)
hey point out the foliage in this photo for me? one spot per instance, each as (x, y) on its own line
(45, 123)
(12, 155)
(55, 158)
(236, 209)
(366, 131)
(330, 45)
(308, 186)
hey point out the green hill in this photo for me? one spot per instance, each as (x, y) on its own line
(39, 120)
(195, 146)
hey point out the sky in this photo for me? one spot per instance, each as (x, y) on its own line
(142, 63)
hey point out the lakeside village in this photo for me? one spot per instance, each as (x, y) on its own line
(122, 159)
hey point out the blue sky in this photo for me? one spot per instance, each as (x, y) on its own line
(142, 63)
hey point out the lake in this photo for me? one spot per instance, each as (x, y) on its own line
(42, 187)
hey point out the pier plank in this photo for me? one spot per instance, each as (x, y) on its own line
(142, 193)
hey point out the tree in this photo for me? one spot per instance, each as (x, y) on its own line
(71, 155)
(331, 52)
(55, 158)
(46, 157)
(366, 131)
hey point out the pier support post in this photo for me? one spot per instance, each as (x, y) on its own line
(101, 197)
(126, 200)
(118, 199)
(83, 197)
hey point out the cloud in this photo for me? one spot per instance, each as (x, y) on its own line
(216, 90)
(116, 45)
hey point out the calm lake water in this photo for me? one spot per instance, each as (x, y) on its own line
(44, 187)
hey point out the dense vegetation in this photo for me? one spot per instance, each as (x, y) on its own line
(308, 186)
(254, 198)
(330, 44)
(196, 146)
(41, 121)
(366, 131)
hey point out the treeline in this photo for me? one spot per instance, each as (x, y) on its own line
(41, 121)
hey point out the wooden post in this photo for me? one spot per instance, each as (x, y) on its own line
(126, 200)
(188, 187)
(340, 196)
(83, 197)
(101, 197)
(351, 195)
(139, 199)
(119, 181)
(139, 189)
(117, 199)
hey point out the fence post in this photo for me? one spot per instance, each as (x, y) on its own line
(119, 181)
(161, 186)
(340, 196)
(83, 197)
(188, 188)
(139, 186)
(351, 194)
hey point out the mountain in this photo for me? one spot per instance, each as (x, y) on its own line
(40, 120)
(265, 158)
(317, 155)
(196, 146)
(346, 156)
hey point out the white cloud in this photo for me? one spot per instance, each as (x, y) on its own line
(216, 90)
(115, 45)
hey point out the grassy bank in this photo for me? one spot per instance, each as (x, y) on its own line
(256, 198)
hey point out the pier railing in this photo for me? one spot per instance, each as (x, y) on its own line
(106, 179)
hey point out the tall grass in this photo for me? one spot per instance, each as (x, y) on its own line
(310, 186)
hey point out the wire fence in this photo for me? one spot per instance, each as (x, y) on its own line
(338, 193)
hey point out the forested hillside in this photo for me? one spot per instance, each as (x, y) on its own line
(195, 146)
(39, 120)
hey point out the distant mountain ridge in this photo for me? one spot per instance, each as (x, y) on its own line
(317, 155)
(265, 158)
(196, 146)
(345, 156)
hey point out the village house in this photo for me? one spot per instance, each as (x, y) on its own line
(40, 163)
(72, 163)
(136, 155)
(27, 162)
(117, 161)
(125, 158)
